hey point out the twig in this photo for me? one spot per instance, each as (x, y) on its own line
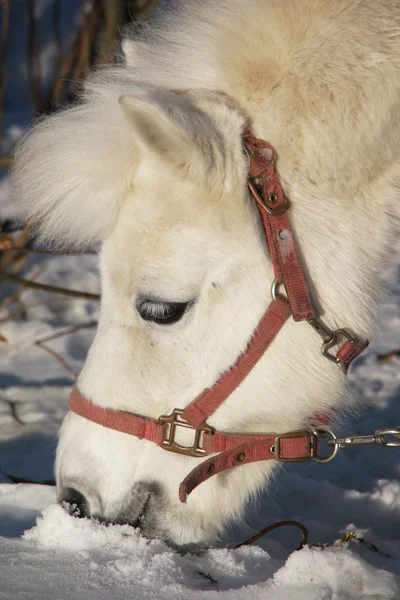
(73, 67)
(13, 409)
(208, 577)
(17, 296)
(15, 479)
(5, 161)
(19, 244)
(48, 288)
(143, 9)
(65, 71)
(85, 39)
(72, 329)
(57, 32)
(5, 30)
(352, 536)
(45, 251)
(88, 32)
(82, 65)
(42, 344)
(9, 300)
(109, 32)
(57, 356)
(34, 62)
(388, 357)
(21, 310)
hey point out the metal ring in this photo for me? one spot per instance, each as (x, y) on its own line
(322, 431)
(334, 341)
(275, 289)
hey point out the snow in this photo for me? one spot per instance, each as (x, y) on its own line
(48, 554)
(63, 557)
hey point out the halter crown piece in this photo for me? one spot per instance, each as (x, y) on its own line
(233, 449)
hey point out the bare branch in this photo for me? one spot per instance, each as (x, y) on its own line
(21, 310)
(11, 257)
(88, 32)
(45, 251)
(48, 288)
(10, 300)
(34, 62)
(142, 9)
(57, 356)
(109, 34)
(15, 479)
(57, 32)
(5, 30)
(5, 161)
(388, 357)
(42, 344)
(13, 409)
(72, 329)
(65, 71)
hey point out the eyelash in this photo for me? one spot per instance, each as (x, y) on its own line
(163, 313)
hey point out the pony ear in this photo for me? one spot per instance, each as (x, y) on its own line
(169, 125)
(72, 171)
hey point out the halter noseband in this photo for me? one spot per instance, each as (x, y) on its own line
(233, 449)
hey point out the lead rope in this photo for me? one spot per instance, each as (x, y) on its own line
(349, 536)
(257, 536)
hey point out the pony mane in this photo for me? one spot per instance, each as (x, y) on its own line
(73, 170)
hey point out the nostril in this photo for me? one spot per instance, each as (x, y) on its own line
(139, 505)
(141, 518)
(74, 502)
(133, 514)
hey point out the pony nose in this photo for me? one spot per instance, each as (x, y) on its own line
(74, 502)
(141, 501)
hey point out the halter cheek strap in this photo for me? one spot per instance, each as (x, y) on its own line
(233, 449)
(265, 187)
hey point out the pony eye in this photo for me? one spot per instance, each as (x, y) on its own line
(163, 313)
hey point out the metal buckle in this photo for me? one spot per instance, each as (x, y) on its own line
(174, 420)
(276, 448)
(322, 431)
(334, 341)
(330, 338)
(259, 198)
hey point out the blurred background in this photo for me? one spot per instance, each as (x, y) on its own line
(47, 48)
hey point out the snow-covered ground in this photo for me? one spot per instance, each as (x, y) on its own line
(48, 554)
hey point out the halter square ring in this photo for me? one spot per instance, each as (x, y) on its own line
(174, 420)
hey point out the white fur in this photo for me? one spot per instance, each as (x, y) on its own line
(160, 182)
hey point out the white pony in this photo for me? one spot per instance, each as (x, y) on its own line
(150, 164)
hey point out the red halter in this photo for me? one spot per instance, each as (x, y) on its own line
(234, 449)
